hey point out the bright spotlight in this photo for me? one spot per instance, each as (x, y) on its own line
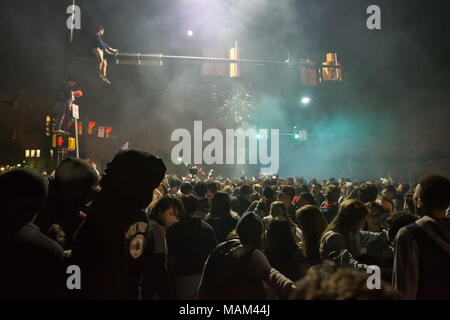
(190, 33)
(306, 100)
(296, 136)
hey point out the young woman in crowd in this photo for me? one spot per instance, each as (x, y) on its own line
(343, 241)
(313, 224)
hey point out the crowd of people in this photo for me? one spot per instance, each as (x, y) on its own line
(136, 232)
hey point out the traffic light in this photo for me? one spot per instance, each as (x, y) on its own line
(308, 74)
(108, 131)
(61, 141)
(234, 67)
(91, 127)
(80, 128)
(332, 74)
(48, 125)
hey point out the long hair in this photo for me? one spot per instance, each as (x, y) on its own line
(350, 217)
(312, 223)
(280, 242)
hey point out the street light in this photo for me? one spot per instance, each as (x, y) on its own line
(306, 100)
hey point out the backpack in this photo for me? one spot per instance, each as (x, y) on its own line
(230, 275)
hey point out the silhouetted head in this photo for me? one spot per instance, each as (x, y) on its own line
(220, 205)
(22, 194)
(131, 177)
(74, 179)
(250, 229)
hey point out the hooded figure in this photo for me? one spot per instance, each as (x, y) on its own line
(74, 179)
(113, 245)
(32, 263)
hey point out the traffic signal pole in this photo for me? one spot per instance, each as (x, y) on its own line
(138, 58)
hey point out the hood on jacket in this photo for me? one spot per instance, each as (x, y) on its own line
(437, 230)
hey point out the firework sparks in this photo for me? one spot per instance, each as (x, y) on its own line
(235, 104)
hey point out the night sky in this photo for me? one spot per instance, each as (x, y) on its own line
(392, 107)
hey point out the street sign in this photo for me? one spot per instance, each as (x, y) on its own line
(101, 131)
(303, 135)
(75, 113)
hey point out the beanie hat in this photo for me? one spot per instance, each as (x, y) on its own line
(249, 228)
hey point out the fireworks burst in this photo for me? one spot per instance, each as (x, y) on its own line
(235, 104)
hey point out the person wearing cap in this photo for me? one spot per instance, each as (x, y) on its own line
(113, 245)
(286, 194)
(74, 181)
(237, 269)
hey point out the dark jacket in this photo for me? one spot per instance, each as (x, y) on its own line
(63, 92)
(329, 212)
(422, 259)
(240, 205)
(189, 242)
(114, 267)
(237, 272)
(32, 266)
(222, 225)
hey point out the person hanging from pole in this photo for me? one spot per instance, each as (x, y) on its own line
(99, 48)
(64, 99)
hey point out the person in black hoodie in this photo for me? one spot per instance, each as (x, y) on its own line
(113, 245)
(189, 241)
(32, 265)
